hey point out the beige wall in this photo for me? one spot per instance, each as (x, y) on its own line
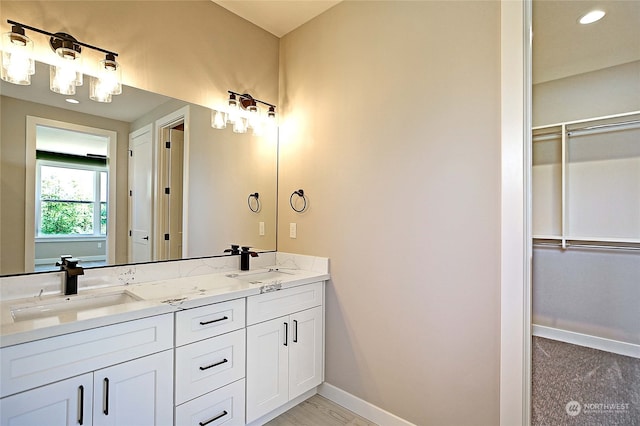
(392, 128)
(599, 93)
(12, 178)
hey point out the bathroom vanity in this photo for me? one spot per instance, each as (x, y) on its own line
(223, 348)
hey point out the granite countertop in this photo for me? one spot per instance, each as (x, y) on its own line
(38, 317)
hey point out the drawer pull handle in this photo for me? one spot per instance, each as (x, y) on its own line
(219, 416)
(105, 400)
(215, 320)
(295, 331)
(286, 333)
(214, 365)
(80, 404)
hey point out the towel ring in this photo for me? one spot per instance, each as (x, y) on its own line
(299, 193)
(255, 206)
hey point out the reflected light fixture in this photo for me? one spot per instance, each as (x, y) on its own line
(65, 72)
(243, 113)
(108, 82)
(17, 63)
(591, 17)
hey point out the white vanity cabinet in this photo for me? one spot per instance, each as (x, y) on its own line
(113, 375)
(210, 364)
(68, 402)
(285, 347)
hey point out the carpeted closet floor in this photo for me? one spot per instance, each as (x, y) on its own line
(574, 385)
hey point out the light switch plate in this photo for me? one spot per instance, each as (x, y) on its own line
(261, 228)
(293, 230)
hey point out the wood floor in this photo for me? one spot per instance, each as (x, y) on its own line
(319, 411)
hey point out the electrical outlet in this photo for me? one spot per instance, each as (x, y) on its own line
(261, 228)
(293, 230)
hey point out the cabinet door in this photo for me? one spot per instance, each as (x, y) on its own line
(138, 392)
(306, 352)
(267, 364)
(63, 403)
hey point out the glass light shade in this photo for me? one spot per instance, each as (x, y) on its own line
(240, 125)
(233, 111)
(66, 73)
(110, 75)
(218, 119)
(253, 116)
(17, 58)
(98, 91)
(260, 129)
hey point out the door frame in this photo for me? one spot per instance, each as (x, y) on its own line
(516, 249)
(30, 181)
(181, 115)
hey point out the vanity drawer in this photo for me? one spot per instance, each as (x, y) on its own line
(208, 321)
(37, 363)
(209, 364)
(224, 406)
(275, 304)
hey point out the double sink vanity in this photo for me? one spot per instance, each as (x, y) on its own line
(192, 342)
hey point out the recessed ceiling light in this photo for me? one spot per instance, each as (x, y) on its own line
(72, 101)
(591, 17)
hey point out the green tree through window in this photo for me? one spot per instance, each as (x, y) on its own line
(72, 201)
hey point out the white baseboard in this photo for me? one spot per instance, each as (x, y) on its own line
(361, 407)
(615, 346)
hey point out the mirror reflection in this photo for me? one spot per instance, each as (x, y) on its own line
(143, 178)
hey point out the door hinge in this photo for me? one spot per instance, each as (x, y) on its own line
(167, 191)
(166, 237)
(167, 145)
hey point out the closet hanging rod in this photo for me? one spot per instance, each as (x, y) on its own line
(546, 137)
(631, 124)
(587, 246)
(588, 120)
(600, 128)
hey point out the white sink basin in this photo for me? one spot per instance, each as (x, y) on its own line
(77, 303)
(262, 276)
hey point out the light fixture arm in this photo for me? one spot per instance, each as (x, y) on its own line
(250, 98)
(61, 36)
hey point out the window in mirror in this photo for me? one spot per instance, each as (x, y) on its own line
(71, 199)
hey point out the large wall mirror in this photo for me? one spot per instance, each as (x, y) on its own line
(142, 178)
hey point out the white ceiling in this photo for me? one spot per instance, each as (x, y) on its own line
(277, 16)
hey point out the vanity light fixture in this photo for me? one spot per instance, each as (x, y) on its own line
(591, 17)
(243, 113)
(17, 64)
(66, 71)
